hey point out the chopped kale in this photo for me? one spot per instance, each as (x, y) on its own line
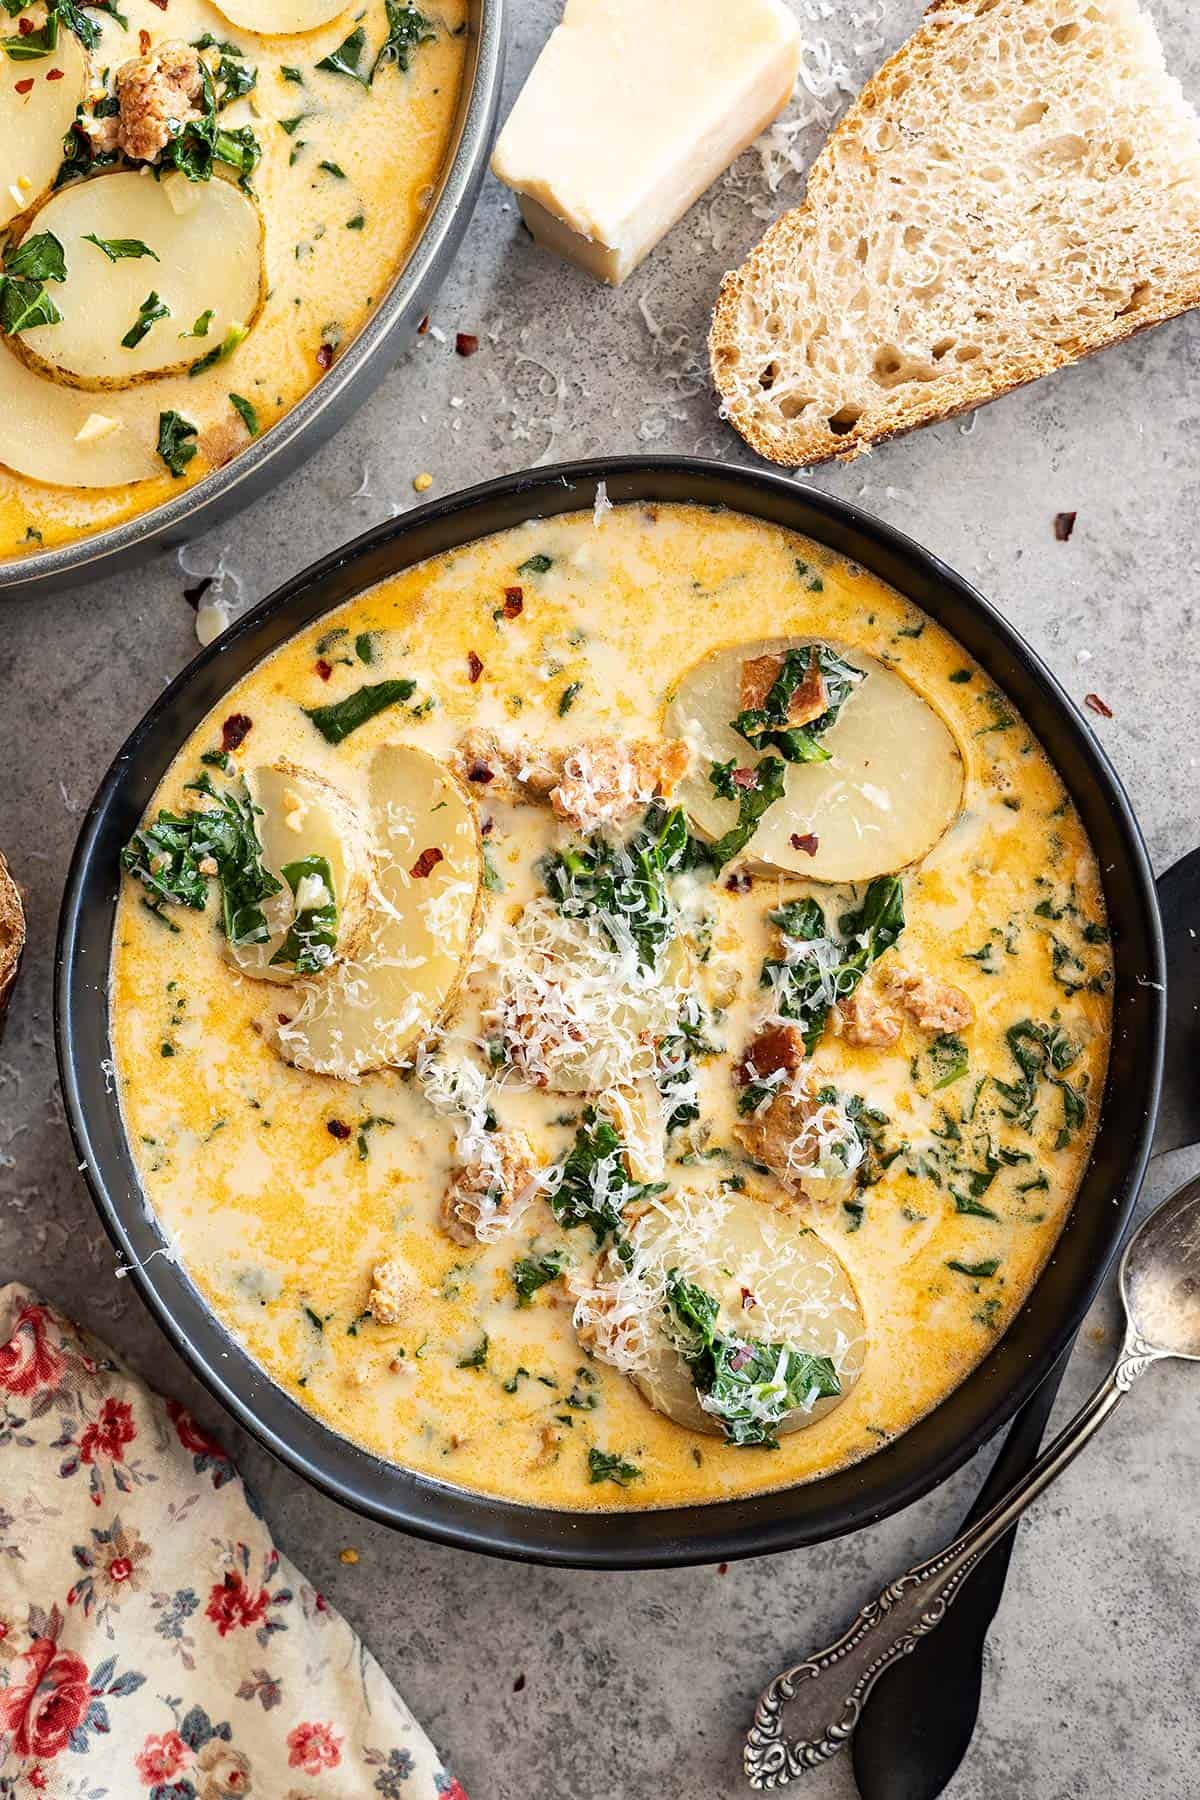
(347, 58)
(312, 935)
(476, 1358)
(625, 886)
(818, 969)
(753, 798)
(608, 1465)
(149, 312)
(117, 248)
(748, 1386)
(766, 727)
(537, 564)
(594, 1188)
(174, 433)
(407, 29)
(246, 412)
(529, 1273)
(336, 721)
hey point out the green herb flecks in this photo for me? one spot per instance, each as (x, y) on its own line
(476, 1358)
(118, 248)
(336, 721)
(407, 29)
(537, 564)
(312, 936)
(220, 352)
(246, 412)
(347, 58)
(174, 441)
(608, 1465)
(150, 311)
(1041, 1053)
(530, 1273)
(749, 1387)
(977, 1271)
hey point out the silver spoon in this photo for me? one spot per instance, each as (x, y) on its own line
(1160, 1291)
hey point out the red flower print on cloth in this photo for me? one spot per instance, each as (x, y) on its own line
(109, 1434)
(233, 1603)
(46, 1703)
(206, 1452)
(162, 1758)
(313, 1747)
(29, 1361)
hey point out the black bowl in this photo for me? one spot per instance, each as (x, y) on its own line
(936, 1446)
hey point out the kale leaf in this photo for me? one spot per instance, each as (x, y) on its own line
(336, 721)
(766, 727)
(624, 886)
(808, 981)
(312, 935)
(594, 1187)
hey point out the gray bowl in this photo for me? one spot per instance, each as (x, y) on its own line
(329, 404)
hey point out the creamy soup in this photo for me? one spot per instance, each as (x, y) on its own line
(643, 1047)
(237, 187)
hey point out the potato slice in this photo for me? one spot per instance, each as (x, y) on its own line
(210, 256)
(305, 815)
(893, 785)
(41, 423)
(370, 1009)
(280, 18)
(34, 119)
(739, 1249)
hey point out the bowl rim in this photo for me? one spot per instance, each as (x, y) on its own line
(828, 1506)
(326, 404)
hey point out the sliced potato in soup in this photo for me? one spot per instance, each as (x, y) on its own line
(69, 438)
(755, 1327)
(127, 318)
(885, 782)
(369, 1011)
(280, 18)
(35, 116)
(306, 820)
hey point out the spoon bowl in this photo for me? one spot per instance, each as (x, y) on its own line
(1160, 1277)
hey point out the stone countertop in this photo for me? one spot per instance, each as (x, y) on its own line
(539, 1682)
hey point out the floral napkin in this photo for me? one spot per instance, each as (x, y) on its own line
(154, 1644)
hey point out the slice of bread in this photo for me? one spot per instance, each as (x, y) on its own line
(1017, 187)
(12, 935)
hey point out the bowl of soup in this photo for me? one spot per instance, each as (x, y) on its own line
(617, 1019)
(222, 224)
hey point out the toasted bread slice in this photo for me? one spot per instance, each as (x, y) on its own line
(12, 935)
(1017, 187)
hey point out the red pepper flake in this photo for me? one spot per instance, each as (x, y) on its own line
(739, 882)
(748, 1300)
(1064, 525)
(325, 356)
(144, 42)
(808, 841)
(722, 1568)
(487, 826)
(23, 87)
(324, 669)
(740, 1357)
(283, 1018)
(745, 778)
(337, 1128)
(161, 5)
(235, 731)
(466, 343)
(480, 773)
(514, 602)
(25, 27)
(423, 327)
(426, 863)
(1097, 705)
(54, 74)
(474, 667)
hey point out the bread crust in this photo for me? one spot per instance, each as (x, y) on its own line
(913, 403)
(12, 936)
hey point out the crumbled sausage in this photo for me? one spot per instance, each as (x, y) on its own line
(395, 1288)
(868, 1018)
(158, 95)
(778, 1136)
(513, 772)
(931, 1005)
(808, 702)
(487, 1197)
(606, 781)
(776, 1047)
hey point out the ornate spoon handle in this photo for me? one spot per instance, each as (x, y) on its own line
(826, 1691)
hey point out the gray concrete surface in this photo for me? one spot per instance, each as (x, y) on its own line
(638, 1686)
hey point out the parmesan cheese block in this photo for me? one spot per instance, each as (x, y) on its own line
(635, 107)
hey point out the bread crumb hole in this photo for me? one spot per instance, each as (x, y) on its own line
(1066, 34)
(792, 405)
(844, 420)
(1031, 114)
(968, 352)
(767, 376)
(1123, 153)
(1138, 298)
(913, 236)
(941, 348)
